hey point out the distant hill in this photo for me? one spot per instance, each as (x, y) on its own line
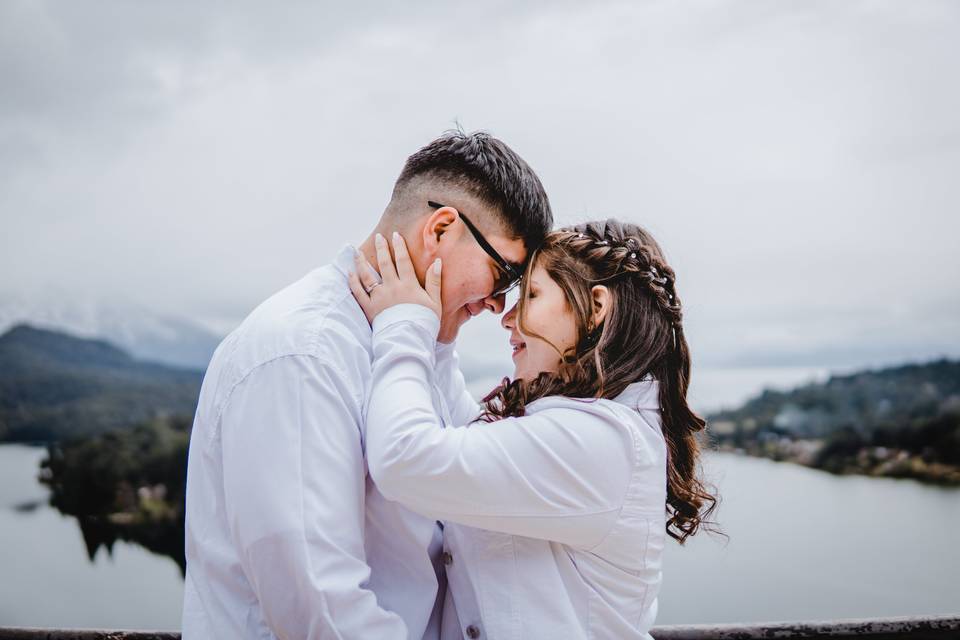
(55, 386)
(902, 421)
(144, 333)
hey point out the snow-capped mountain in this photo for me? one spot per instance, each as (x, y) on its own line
(144, 333)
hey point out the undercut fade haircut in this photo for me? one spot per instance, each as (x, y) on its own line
(488, 169)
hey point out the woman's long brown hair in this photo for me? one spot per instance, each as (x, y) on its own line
(641, 335)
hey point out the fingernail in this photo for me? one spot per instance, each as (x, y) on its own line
(396, 236)
(379, 239)
(436, 266)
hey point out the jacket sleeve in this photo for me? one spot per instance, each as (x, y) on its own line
(463, 408)
(294, 498)
(559, 474)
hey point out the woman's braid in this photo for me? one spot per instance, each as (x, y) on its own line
(616, 257)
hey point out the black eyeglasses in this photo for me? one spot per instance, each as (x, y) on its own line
(510, 275)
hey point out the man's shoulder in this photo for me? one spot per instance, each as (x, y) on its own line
(314, 317)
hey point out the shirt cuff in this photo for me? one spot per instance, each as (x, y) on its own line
(414, 313)
(445, 350)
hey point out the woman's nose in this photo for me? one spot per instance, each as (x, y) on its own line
(508, 321)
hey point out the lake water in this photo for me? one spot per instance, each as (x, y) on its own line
(803, 545)
(47, 579)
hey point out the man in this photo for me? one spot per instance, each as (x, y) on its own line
(286, 536)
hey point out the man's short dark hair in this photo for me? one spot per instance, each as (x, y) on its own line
(492, 172)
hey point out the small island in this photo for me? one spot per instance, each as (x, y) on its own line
(127, 485)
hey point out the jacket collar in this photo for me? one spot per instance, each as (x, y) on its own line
(643, 394)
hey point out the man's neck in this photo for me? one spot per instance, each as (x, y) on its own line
(368, 249)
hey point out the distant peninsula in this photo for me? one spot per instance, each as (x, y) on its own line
(900, 422)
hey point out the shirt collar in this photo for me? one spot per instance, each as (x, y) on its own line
(643, 394)
(344, 260)
(343, 263)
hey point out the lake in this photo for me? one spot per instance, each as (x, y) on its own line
(803, 545)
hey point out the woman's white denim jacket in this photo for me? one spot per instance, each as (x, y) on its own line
(554, 522)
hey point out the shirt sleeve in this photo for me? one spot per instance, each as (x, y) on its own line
(463, 408)
(294, 499)
(558, 474)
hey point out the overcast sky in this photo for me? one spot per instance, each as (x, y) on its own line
(799, 161)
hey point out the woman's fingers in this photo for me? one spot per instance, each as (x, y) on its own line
(365, 273)
(363, 299)
(387, 270)
(404, 266)
(377, 292)
(356, 287)
(433, 282)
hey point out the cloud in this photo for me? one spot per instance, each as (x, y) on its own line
(796, 159)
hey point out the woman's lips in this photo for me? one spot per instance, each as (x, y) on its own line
(518, 348)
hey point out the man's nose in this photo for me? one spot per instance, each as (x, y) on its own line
(508, 321)
(495, 303)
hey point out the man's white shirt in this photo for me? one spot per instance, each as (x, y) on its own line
(286, 536)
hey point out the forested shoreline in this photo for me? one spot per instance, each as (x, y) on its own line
(899, 422)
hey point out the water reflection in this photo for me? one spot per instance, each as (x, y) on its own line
(45, 558)
(162, 538)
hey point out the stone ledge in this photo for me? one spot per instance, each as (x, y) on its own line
(914, 628)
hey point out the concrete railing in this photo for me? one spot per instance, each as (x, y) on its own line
(919, 628)
(914, 628)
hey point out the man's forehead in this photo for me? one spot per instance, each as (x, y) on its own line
(513, 250)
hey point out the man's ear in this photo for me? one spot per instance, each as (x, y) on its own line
(602, 299)
(436, 225)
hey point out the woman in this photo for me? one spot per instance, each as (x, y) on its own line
(558, 498)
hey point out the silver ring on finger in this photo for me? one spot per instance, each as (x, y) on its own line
(372, 287)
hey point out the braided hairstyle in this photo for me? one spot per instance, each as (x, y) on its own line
(641, 335)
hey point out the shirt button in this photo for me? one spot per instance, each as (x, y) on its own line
(447, 558)
(473, 632)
